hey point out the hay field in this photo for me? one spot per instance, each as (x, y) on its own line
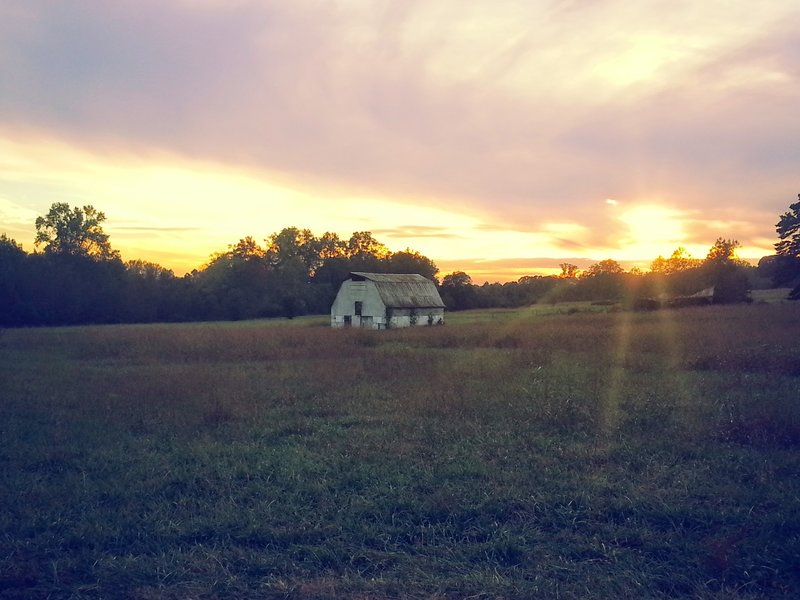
(511, 454)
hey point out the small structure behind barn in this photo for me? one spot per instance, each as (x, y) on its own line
(386, 300)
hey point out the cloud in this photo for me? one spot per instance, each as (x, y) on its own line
(418, 231)
(136, 229)
(518, 114)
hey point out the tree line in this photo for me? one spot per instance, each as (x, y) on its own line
(607, 282)
(74, 276)
(679, 275)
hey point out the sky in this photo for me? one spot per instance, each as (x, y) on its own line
(499, 137)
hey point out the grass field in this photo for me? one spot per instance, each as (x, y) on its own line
(509, 454)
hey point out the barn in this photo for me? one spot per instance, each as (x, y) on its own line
(387, 300)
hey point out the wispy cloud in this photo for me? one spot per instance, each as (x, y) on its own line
(517, 114)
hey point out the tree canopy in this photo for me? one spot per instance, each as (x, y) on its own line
(73, 231)
(788, 228)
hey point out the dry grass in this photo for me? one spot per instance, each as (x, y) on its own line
(580, 455)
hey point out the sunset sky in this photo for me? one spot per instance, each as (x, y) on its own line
(496, 137)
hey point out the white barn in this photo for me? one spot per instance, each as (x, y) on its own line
(385, 300)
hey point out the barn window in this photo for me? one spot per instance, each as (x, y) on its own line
(348, 320)
(358, 308)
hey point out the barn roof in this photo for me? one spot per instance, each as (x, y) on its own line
(403, 290)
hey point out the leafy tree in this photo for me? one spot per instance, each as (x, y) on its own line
(788, 249)
(292, 243)
(362, 243)
(13, 306)
(788, 228)
(723, 251)
(457, 291)
(679, 261)
(247, 249)
(411, 261)
(330, 246)
(601, 281)
(236, 283)
(781, 271)
(74, 232)
(604, 267)
(152, 293)
(726, 272)
(568, 271)
(9, 246)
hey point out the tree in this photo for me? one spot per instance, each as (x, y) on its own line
(679, 261)
(568, 271)
(604, 267)
(723, 251)
(361, 243)
(788, 249)
(74, 232)
(457, 291)
(292, 243)
(411, 261)
(12, 282)
(788, 228)
(726, 272)
(330, 246)
(247, 249)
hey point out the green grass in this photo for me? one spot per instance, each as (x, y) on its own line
(509, 454)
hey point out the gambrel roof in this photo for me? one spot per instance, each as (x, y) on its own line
(403, 290)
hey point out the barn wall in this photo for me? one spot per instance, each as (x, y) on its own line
(358, 291)
(419, 317)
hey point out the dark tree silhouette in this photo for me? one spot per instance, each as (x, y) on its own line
(726, 272)
(788, 249)
(73, 231)
(457, 291)
(788, 228)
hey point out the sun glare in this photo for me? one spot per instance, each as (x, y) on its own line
(652, 231)
(643, 58)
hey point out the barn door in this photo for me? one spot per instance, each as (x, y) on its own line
(366, 322)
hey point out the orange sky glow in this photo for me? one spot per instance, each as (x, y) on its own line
(500, 139)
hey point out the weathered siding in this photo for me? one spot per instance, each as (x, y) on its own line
(358, 291)
(419, 317)
(387, 301)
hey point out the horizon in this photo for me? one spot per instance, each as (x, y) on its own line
(498, 140)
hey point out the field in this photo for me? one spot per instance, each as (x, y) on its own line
(510, 454)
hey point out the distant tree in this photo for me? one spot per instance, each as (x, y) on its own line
(330, 246)
(604, 267)
(247, 249)
(236, 284)
(456, 279)
(411, 261)
(726, 272)
(292, 243)
(457, 291)
(10, 246)
(680, 260)
(13, 305)
(74, 232)
(723, 251)
(568, 271)
(363, 243)
(781, 271)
